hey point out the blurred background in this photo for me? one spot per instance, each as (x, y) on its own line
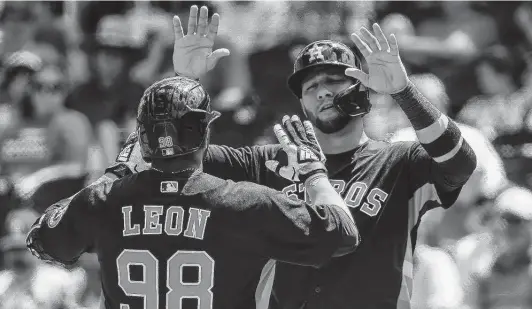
(72, 74)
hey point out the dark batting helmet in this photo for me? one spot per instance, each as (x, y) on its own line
(354, 101)
(173, 118)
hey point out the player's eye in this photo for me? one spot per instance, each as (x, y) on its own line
(309, 88)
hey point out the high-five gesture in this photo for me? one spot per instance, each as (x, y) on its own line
(301, 156)
(386, 71)
(193, 55)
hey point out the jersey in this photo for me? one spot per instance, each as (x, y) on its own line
(388, 188)
(194, 241)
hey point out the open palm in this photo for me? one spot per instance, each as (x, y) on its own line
(193, 55)
(386, 73)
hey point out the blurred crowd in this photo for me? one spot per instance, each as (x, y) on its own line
(72, 74)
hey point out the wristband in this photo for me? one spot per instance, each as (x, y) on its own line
(317, 172)
(312, 180)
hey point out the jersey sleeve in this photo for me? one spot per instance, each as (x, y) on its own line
(427, 180)
(275, 226)
(441, 156)
(239, 164)
(66, 229)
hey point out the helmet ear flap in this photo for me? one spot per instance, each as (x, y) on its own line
(353, 101)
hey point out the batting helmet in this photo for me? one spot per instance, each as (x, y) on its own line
(173, 118)
(353, 101)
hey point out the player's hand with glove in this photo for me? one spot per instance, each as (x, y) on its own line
(193, 55)
(301, 156)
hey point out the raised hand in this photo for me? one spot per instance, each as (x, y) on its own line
(387, 73)
(304, 157)
(193, 55)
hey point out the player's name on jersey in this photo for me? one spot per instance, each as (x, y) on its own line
(172, 222)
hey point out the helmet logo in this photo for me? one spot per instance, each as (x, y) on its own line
(165, 141)
(167, 152)
(316, 53)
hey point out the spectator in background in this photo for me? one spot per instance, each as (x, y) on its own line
(48, 143)
(504, 110)
(17, 21)
(487, 180)
(18, 70)
(50, 44)
(444, 38)
(437, 282)
(20, 221)
(110, 97)
(16, 221)
(496, 264)
(27, 283)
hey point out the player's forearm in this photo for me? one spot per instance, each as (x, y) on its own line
(439, 136)
(321, 192)
(66, 229)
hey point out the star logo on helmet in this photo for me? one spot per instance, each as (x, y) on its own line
(315, 53)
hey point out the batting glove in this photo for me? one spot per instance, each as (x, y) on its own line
(301, 156)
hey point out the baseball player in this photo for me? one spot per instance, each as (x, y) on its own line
(172, 236)
(388, 187)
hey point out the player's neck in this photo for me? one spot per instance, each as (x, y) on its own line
(344, 140)
(183, 164)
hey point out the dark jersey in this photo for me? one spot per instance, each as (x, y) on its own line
(387, 187)
(198, 241)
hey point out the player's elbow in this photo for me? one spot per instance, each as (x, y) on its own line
(458, 169)
(46, 247)
(349, 238)
(344, 230)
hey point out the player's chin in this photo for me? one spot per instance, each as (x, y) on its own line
(331, 121)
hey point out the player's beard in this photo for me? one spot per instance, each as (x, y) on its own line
(331, 124)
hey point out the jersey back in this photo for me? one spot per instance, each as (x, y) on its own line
(167, 249)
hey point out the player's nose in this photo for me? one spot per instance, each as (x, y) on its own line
(323, 93)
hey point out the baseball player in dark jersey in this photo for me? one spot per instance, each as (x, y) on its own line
(172, 236)
(388, 187)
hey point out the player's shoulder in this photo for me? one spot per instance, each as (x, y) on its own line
(224, 192)
(212, 186)
(132, 138)
(129, 160)
(388, 149)
(203, 184)
(214, 151)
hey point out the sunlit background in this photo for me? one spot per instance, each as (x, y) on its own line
(73, 73)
